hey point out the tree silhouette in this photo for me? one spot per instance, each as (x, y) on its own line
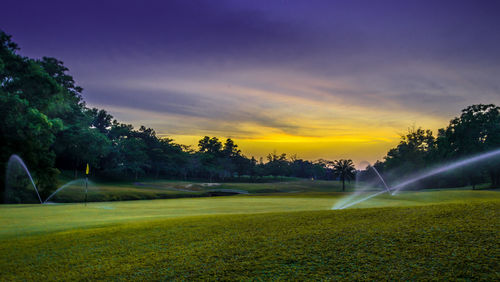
(345, 170)
(477, 130)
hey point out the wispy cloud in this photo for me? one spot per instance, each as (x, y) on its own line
(322, 78)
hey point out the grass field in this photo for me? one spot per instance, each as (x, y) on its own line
(161, 189)
(448, 234)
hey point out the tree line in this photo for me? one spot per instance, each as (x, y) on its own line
(475, 131)
(46, 122)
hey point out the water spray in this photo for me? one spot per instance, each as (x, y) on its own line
(446, 167)
(395, 189)
(383, 181)
(16, 158)
(77, 181)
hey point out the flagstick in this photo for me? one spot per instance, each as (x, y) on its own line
(86, 189)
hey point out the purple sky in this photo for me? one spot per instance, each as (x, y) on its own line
(272, 70)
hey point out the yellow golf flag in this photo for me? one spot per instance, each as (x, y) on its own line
(87, 170)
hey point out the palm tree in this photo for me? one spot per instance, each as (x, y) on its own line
(345, 170)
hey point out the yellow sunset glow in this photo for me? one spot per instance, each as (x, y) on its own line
(286, 112)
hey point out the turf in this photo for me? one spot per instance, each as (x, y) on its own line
(443, 235)
(25, 220)
(161, 189)
(21, 220)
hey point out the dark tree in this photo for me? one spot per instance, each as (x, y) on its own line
(477, 130)
(345, 170)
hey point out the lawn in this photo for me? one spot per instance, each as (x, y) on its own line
(162, 189)
(441, 235)
(169, 189)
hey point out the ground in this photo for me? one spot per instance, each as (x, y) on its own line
(438, 234)
(165, 189)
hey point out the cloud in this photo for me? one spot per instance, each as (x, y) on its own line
(310, 72)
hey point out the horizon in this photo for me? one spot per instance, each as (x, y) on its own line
(334, 81)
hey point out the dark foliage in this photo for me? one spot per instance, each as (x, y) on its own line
(475, 131)
(46, 122)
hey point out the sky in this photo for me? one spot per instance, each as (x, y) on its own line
(319, 79)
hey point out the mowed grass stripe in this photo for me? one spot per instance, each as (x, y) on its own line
(446, 241)
(25, 220)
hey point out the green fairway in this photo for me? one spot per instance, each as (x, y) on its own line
(22, 220)
(26, 219)
(162, 189)
(425, 197)
(416, 235)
